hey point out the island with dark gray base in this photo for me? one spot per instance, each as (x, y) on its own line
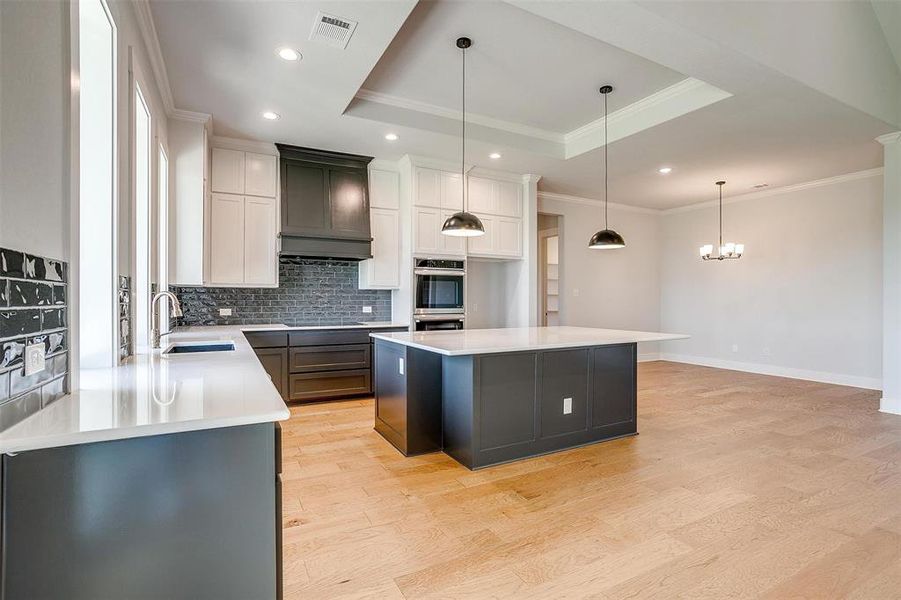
(488, 396)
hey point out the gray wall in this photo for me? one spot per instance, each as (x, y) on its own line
(310, 292)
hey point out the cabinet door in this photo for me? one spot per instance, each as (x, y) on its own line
(484, 244)
(226, 233)
(428, 188)
(509, 236)
(259, 174)
(509, 199)
(450, 244)
(303, 188)
(275, 361)
(384, 189)
(348, 203)
(451, 191)
(228, 171)
(482, 195)
(382, 271)
(613, 389)
(260, 260)
(426, 230)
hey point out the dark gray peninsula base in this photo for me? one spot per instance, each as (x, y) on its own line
(485, 409)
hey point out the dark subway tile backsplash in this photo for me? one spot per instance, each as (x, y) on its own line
(310, 292)
(33, 295)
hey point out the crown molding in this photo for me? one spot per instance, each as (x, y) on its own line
(889, 138)
(450, 113)
(189, 115)
(494, 174)
(594, 202)
(681, 98)
(786, 189)
(152, 42)
(218, 141)
(531, 178)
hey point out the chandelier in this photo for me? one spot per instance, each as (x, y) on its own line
(728, 250)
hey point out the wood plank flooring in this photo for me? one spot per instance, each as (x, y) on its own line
(738, 486)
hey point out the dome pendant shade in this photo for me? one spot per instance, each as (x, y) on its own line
(606, 239)
(463, 224)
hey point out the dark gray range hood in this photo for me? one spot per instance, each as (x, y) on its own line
(325, 204)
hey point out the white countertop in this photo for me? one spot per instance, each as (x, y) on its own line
(152, 395)
(360, 325)
(515, 339)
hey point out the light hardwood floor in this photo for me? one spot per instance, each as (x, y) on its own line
(738, 486)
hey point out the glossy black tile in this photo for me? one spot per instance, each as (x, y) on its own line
(4, 293)
(53, 318)
(29, 293)
(4, 387)
(12, 353)
(53, 342)
(53, 391)
(12, 263)
(17, 409)
(19, 322)
(59, 294)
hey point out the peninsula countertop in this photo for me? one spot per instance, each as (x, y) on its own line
(515, 339)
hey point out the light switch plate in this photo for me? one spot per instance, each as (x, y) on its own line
(567, 406)
(400, 366)
(34, 359)
(225, 312)
(367, 309)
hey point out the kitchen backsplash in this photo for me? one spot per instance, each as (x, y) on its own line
(310, 292)
(33, 301)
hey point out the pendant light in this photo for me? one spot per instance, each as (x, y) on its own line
(606, 239)
(463, 224)
(727, 250)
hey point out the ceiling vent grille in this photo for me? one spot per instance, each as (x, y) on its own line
(332, 30)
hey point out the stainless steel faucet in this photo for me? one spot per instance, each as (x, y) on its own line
(154, 315)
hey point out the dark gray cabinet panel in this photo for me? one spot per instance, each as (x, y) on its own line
(564, 375)
(307, 359)
(304, 194)
(267, 339)
(613, 394)
(348, 203)
(275, 361)
(408, 398)
(508, 403)
(180, 516)
(329, 384)
(328, 337)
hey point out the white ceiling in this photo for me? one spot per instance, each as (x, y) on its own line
(534, 69)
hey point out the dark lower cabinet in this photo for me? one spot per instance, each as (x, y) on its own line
(275, 361)
(614, 378)
(329, 358)
(564, 392)
(329, 384)
(192, 515)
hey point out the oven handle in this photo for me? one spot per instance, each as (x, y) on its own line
(451, 272)
(438, 317)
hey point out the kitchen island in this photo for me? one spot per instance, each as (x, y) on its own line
(488, 396)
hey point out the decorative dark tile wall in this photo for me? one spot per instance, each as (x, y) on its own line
(310, 292)
(33, 300)
(125, 345)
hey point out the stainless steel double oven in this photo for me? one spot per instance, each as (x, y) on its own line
(439, 294)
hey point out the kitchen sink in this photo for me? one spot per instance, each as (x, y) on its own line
(194, 348)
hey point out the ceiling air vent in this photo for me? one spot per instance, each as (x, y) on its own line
(332, 30)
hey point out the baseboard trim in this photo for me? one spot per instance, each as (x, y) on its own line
(891, 406)
(649, 357)
(869, 383)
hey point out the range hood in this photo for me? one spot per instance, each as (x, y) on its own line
(325, 203)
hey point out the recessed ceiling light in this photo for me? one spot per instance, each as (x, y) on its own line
(665, 170)
(494, 155)
(270, 116)
(391, 137)
(289, 54)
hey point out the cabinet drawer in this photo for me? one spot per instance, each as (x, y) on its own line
(329, 358)
(329, 384)
(267, 339)
(328, 337)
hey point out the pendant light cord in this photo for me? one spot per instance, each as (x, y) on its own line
(463, 137)
(721, 215)
(605, 163)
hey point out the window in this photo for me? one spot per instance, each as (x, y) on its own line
(143, 167)
(96, 190)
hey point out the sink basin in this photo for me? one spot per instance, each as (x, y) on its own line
(194, 348)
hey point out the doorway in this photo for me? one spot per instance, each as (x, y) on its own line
(549, 269)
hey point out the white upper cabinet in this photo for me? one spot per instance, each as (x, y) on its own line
(260, 174)
(226, 233)
(428, 188)
(450, 245)
(482, 195)
(189, 166)
(509, 237)
(451, 191)
(384, 189)
(509, 199)
(260, 237)
(228, 171)
(483, 245)
(427, 224)
(382, 271)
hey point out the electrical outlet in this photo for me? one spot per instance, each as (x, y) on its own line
(367, 310)
(576, 292)
(225, 312)
(34, 359)
(735, 347)
(474, 307)
(567, 406)
(766, 351)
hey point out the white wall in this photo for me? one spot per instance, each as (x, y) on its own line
(615, 289)
(806, 299)
(34, 127)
